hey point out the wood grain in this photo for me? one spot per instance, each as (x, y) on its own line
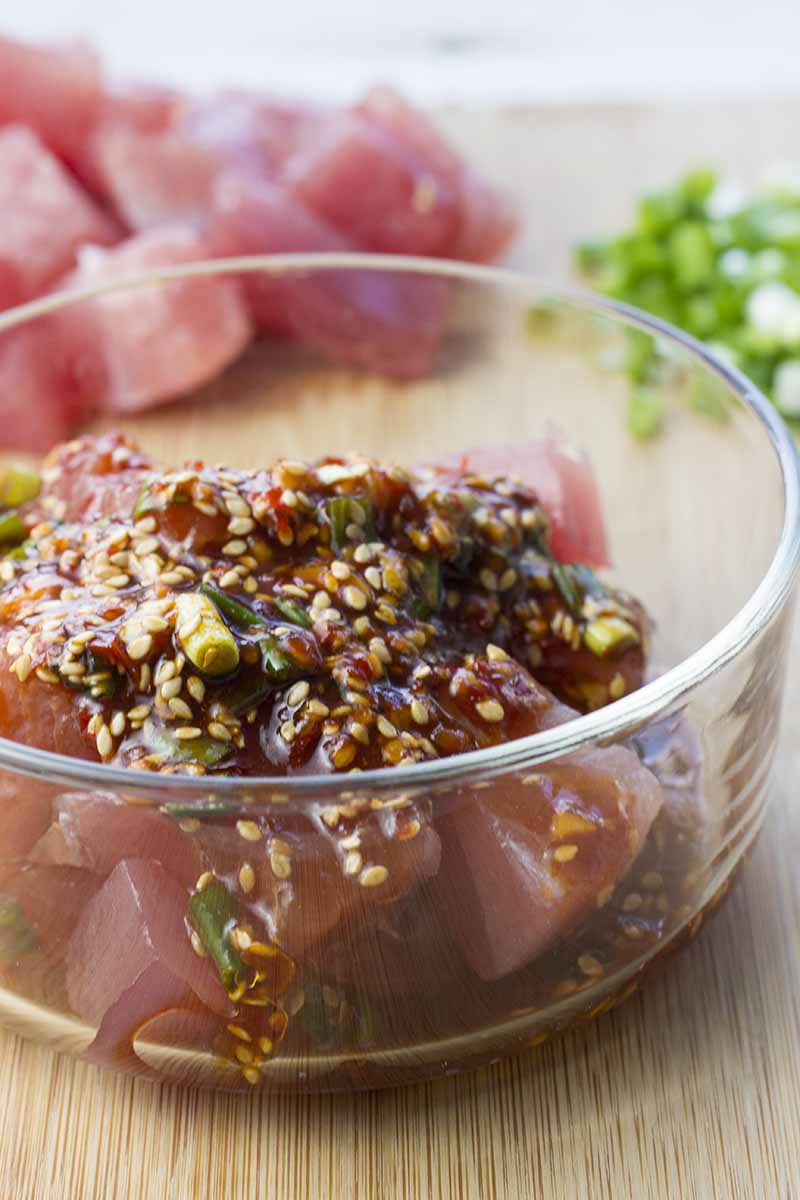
(690, 1090)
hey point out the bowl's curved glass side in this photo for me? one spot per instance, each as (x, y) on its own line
(375, 930)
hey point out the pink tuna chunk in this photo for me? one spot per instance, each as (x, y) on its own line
(156, 342)
(55, 91)
(45, 217)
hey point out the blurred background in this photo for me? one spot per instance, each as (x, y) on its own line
(453, 50)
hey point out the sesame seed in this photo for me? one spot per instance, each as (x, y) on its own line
(140, 647)
(179, 708)
(565, 853)
(652, 881)
(488, 579)
(354, 598)
(235, 547)
(386, 728)
(219, 731)
(139, 712)
(243, 1054)
(240, 1033)
(298, 693)
(321, 600)
(363, 553)
(280, 864)
(422, 671)
(22, 667)
(247, 877)
(317, 708)
(240, 526)
(248, 830)
(495, 653)
(507, 579)
(374, 577)
(340, 570)
(104, 742)
(171, 688)
(353, 863)
(196, 688)
(251, 1075)
(360, 732)
(189, 627)
(198, 946)
(229, 579)
(187, 733)
(265, 1044)
(617, 688)
(166, 670)
(117, 725)
(373, 877)
(419, 712)
(490, 710)
(288, 731)
(72, 669)
(589, 965)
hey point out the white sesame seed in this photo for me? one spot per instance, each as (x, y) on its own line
(280, 865)
(219, 731)
(298, 693)
(488, 579)
(248, 830)
(189, 627)
(330, 614)
(140, 647)
(196, 688)
(140, 712)
(321, 600)
(339, 569)
(359, 732)
(354, 598)
(146, 525)
(361, 626)
(240, 526)
(187, 733)
(229, 579)
(197, 945)
(373, 876)
(235, 547)
(496, 653)
(422, 671)
(117, 726)
(145, 546)
(386, 727)
(490, 710)
(363, 553)
(203, 881)
(247, 877)
(374, 577)
(289, 498)
(71, 669)
(288, 731)
(104, 741)
(419, 712)
(353, 863)
(179, 708)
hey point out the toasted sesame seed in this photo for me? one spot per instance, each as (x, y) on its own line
(496, 653)
(239, 1033)
(280, 864)
(374, 577)
(589, 965)
(171, 688)
(72, 669)
(360, 732)
(187, 733)
(247, 877)
(317, 708)
(240, 526)
(373, 876)
(219, 731)
(288, 731)
(353, 863)
(507, 579)
(229, 579)
(198, 946)
(340, 570)
(321, 600)
(488, 579)
(235, 547)
(139, 712)
(265, 1044)
(196, 688)
(117, 725)
(140, 647)
(419, 712)
(490, 710)
(248, 830)
(179, 708)
(298, 693)
(386, 728)
(565, 853)
(354, 598)
(46, 675)
(252, 1075)
(104, 741)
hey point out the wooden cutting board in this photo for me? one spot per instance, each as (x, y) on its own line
(691, 1090)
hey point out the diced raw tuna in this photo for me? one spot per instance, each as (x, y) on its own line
(525, 861)
(130, 959)
(156, 342)
(26, 807)
(41, 714)
(563, 479)
(95, 832)
(387, 323)
(52, 899)
(145, 109)
(45, 217)
(55, 91)
(486, 222)
(384, 175)
(94, 477)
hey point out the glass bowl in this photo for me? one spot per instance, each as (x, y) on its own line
(471, 954)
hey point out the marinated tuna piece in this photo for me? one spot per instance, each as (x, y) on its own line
(96, 832)
(524, 863)
(157, 343)
(51, 900)
(45, 217)
(565, 484)
(142, 909)
(55, 91)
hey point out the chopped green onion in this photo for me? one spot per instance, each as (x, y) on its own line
(19, 484)
(236, 611)
(570, 592)
(20, 551)
(338, 509)
(212, 913)
(210, 646)
(277, 664)
(293, 612)
(430, 582)
(646, 412)
(16, 934)
(248, 692)
(11, 527)
(604, 634)
(143, 502)
(691, 255)
(216, 808)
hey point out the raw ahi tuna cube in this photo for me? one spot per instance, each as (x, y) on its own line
(56, 91)
(45, 217)
(388, 323)
(156, 342)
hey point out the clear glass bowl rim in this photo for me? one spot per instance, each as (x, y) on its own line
(607, 724)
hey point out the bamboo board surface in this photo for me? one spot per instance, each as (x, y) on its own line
(690, 1090)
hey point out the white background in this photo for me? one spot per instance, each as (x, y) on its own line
(452, 50)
